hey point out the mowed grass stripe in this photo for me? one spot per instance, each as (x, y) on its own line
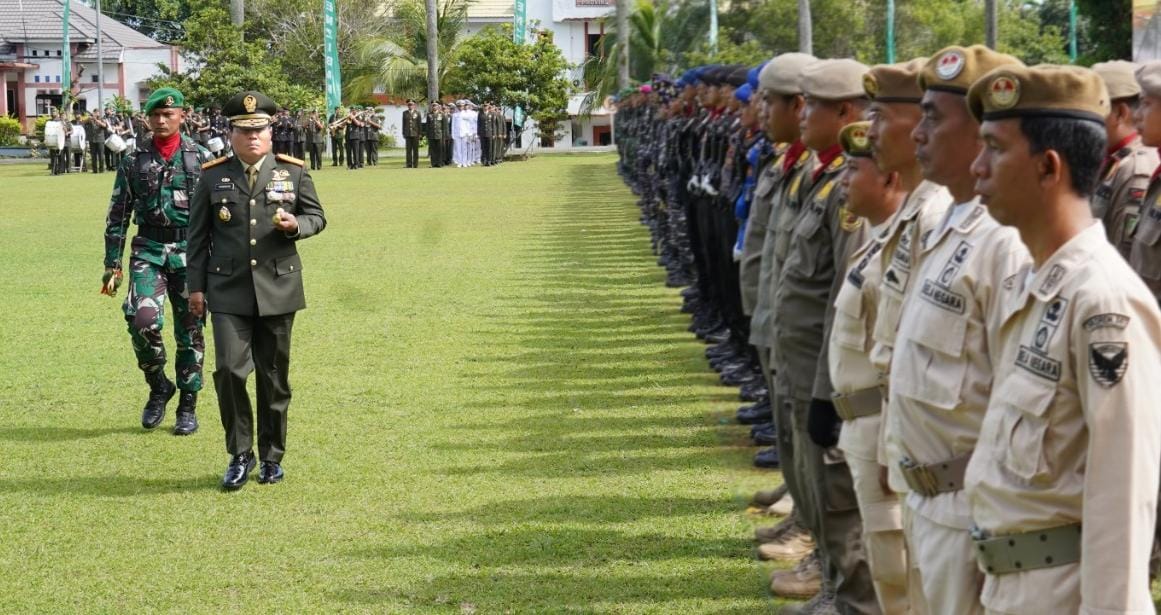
(497, 408)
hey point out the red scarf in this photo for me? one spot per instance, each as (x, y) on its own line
(792, 156)
(825, 157)
(167, 146)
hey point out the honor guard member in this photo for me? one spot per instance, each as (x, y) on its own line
(355, 139)
(412, 133)
(153, 186)
(434, 127)
(894, 113)
(484, 132)
(1128, 164)
(448, 145)
(337, 127)
(1145, 255)
(299, 135)
(316, 139)
(824, 234)
(248, 216)
(776, 191)
(372, 138)
(1063, 482)
(93, 134)
(941, 366)
(875, 197)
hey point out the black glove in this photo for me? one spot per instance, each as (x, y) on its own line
(823, 423)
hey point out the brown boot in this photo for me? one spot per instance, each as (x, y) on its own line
(772, 533)
(767, 498)
(821, 604)
(803, 582)
(794, 544)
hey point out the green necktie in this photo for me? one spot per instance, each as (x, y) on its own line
(251, 176)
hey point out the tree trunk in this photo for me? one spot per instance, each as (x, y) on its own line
(991, 23)
(805, 28)
(432, 52)
(237, 12)
(623, 37)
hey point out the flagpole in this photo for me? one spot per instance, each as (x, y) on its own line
(100, 63)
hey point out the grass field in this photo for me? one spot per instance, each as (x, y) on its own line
(497, 410)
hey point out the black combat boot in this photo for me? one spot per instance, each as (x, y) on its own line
(187, 420)
(161, 390)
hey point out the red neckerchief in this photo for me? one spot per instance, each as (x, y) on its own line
(792, 156)
(825, 157)
(166, 147)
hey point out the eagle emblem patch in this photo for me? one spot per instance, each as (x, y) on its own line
(1107, 362)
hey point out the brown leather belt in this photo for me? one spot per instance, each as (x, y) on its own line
(933, 479)
(864, 402)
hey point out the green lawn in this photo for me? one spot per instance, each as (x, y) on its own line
(497, 409)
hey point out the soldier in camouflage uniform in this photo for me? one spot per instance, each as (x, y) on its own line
(153, 185)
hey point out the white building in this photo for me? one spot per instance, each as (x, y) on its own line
(576, 26)
(31, 50)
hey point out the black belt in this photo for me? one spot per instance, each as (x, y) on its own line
(163, 234)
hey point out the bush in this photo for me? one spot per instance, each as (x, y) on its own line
(386, 141)
(9, 131)
(41, 120)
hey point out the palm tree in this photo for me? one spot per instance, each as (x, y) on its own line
(397, 63)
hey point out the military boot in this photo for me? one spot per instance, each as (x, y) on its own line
(187, 420)
(789, 546)
(161, 390)
(772, 533)
(823, 603)
(803, 582)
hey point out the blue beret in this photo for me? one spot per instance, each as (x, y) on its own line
(743, 93)
(752, 76)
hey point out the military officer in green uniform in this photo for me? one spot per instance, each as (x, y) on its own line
(434, 131)
(153, 186)
(248, 215)
(412, 132)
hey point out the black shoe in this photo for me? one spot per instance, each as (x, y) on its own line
(161, 390)
(270, 473)
(187, 420)
(741, 377)
(767, 436)
(238, 472)
(717, 336)
(759, 427)
(760, 412)
(767, 458)
(754, 391)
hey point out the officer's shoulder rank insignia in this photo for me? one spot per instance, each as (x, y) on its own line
(298, 162)
(825, 191)
(1107, 362)
(836, 164)
(215, 162)
(224, 214)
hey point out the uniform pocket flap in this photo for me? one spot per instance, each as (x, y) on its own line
(1027, 393)
(943, 331)
(287, 265)
(221, 265)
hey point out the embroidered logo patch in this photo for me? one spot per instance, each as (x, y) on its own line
(1107, 362)
(950, 65)
(1004, 92)
(1106, 321)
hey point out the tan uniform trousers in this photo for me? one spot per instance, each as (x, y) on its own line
(882, 537)
(948, 573)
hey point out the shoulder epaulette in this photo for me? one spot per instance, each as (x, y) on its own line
(215, 162)
(291, 160)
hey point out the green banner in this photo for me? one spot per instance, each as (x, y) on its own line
(66, 60)
(520, 22)
(334, 81)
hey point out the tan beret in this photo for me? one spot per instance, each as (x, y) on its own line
(781, 75)
(834, 79)
(895, 83)
(1149, 78)
(1045, 90)
(1119, 78)
(955, 69)
(853, 138)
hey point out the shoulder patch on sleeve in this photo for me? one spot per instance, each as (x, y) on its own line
(1107, 362)
(1110, 320)
(291, 160)
(215, 162)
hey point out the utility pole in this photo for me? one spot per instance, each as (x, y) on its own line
(623, 42)
(991, 23)
(805, 28)
(432, 51)
(100, 63)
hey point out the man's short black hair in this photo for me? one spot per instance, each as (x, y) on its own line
(1080, 143)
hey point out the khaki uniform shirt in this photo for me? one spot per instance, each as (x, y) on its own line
(941, 370)
(919, 215)
(749, 266)
(809, 281)
(783, 195)
(1118, 198)
(1073, 432)
(1145, 254)
(850, 342)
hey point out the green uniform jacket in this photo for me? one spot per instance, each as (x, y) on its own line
(412, 124)
(435, 127)
(236, 256)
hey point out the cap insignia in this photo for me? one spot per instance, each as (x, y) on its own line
(169, 101)
(871, 85)
(950, 65)
(1004, 92)
(250, 103)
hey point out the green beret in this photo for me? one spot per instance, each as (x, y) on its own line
(164, 98)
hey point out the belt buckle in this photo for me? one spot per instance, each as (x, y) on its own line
(921, 479)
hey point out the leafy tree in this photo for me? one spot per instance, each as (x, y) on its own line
(396, 61)
(158, 19)
(491, 66)
(224, 64)
(1110, 30)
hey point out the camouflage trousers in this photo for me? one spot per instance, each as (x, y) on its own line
(149, 286)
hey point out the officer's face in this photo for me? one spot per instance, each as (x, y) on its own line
(782, 117)
(250, 144)
(1148, 120)
(820, 122)
(890, 135)
(865, 187)
(165, 122)
(1007, 173)
(947, 137)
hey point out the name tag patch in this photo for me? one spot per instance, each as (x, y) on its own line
(1037, 363)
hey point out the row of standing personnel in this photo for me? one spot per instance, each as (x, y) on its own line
(946, 274)
(459, 134)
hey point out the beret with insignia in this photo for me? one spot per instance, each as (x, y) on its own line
(895, 83)
(853, 138)
(1045, 90)
(955, 69)
(164, 98)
